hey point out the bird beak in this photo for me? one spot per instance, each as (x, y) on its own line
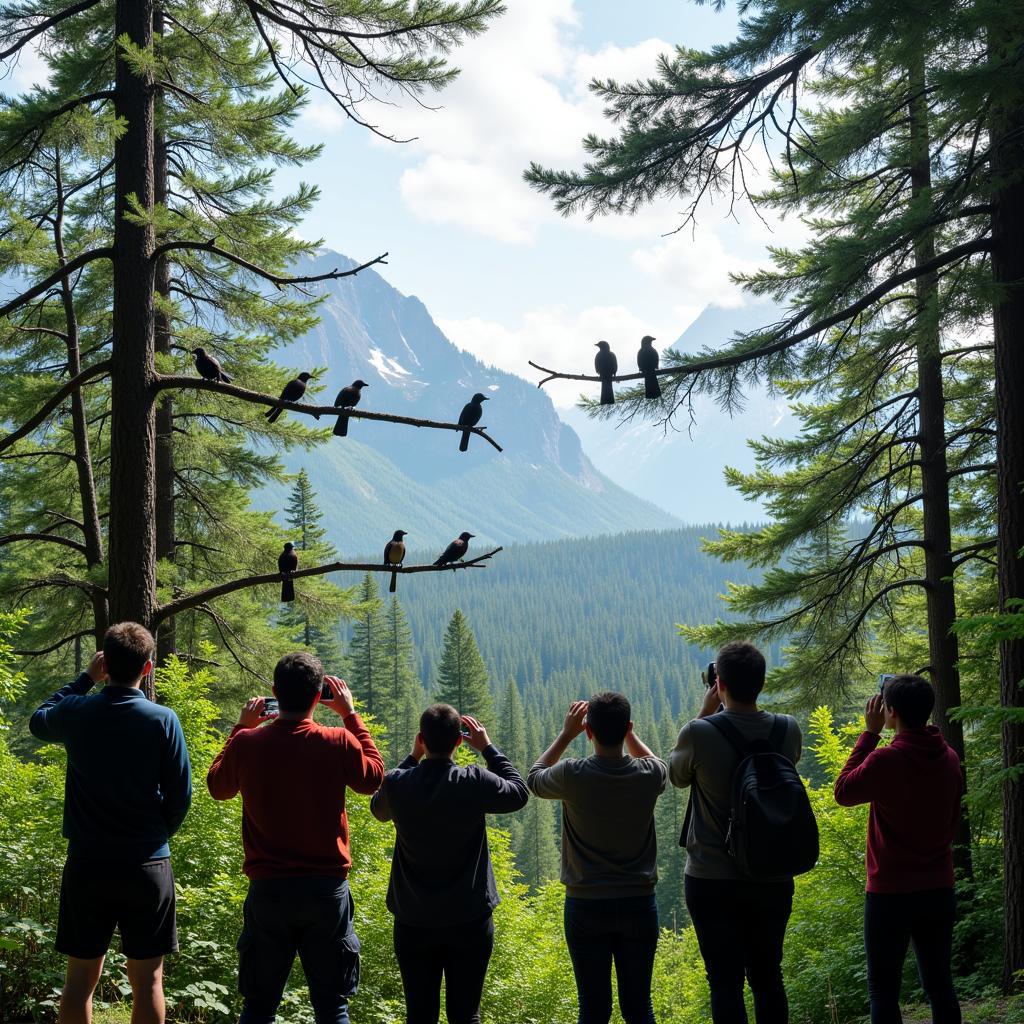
(485, 399)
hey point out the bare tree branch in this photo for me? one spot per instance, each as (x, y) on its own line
(69, 268)
(203, 596)
(48, 538)
(163, 382)
(30, 32)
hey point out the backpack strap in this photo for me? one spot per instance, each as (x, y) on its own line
(735, 738)
(777, 737)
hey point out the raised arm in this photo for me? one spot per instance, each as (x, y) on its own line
(503, 789)
(863, 777)
(46, 721)
(545, 777)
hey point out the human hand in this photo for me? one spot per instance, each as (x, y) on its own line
(874, 714)
(419, 751)
(97, 669)
(575, 719)
(342, 702)
(712, 702)
(252, 714)
(477, 738)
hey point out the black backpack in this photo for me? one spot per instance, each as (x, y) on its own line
(771, 831)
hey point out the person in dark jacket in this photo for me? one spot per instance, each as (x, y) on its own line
(293, 775)
(442, 889)
(914, 786)
(128, 789)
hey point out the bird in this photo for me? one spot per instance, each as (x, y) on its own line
(647, 360)
(606, 366)
(287, 561)
(456, 550)
(292, 392)
(394, 554)
(347, 399)
(208, 367)
(470, 417)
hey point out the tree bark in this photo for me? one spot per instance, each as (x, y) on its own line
(132, 549)
(1007, 131)
(164, 518)
(940, 598)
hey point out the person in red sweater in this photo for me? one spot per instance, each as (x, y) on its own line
(292, 774)
(914, 786)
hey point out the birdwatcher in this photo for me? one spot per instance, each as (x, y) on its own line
(128, 789)
(739, 908)
(293, 775)
(442, 889)
(609, 854)
(914, 786)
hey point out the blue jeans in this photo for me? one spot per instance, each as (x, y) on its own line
(891, 922)
(600, 932)
(308, 917)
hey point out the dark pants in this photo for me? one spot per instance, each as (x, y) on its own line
(600, 932)
(460, 953)
(741, 928)
(311, 917)
(891, 922)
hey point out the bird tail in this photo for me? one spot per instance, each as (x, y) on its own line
(394, 583)
(652, 388)
(440, 561)
(225, 379)
(273, 414)
(287, 590)
(607, 393)
(464, 443)
(341, 427)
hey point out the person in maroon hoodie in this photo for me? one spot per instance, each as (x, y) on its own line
(292, 774)
(914, 786)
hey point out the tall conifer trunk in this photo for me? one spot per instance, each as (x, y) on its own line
(132, 576)
(1007, 133)
(943, 647)
(165, 535)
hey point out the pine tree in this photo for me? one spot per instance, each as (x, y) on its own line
(398, 679)
(461, 673)
(318, 605)
(366, 655)
(510, 731)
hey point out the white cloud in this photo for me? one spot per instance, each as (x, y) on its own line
(322, 116)
(558, 338)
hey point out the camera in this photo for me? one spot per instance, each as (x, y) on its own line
(327, 693)
(883, 679)
(711, 675)
(270, 707)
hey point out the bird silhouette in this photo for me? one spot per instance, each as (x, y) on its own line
(208, 367)
(647, 360)
(606, 366)
(456, 550)
(292, 392)
(394, 554)
(347, 399)
(287, 561)
(470, 417)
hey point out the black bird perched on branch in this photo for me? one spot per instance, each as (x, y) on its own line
(606, 366)
(394, 554)
(292, 392)
(347, 399)
(287, 561)
(456, 550)
(470, 417)
(647, 360)
(208, 367)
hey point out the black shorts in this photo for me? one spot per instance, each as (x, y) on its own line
(136, 899)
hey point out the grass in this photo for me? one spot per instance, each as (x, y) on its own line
(983, 1011)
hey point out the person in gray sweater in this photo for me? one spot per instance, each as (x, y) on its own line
(740, 921)
(609, 855)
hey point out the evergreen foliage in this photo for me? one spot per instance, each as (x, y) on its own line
(462, 674)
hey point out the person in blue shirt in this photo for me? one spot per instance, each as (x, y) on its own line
(128, 789)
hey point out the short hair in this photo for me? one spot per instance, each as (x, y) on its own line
(608, 716)
(127, 647)
(298, 678)
(912, 698)
(441, 728)
(741, 667)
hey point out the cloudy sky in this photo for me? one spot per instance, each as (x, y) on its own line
(503, 274)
